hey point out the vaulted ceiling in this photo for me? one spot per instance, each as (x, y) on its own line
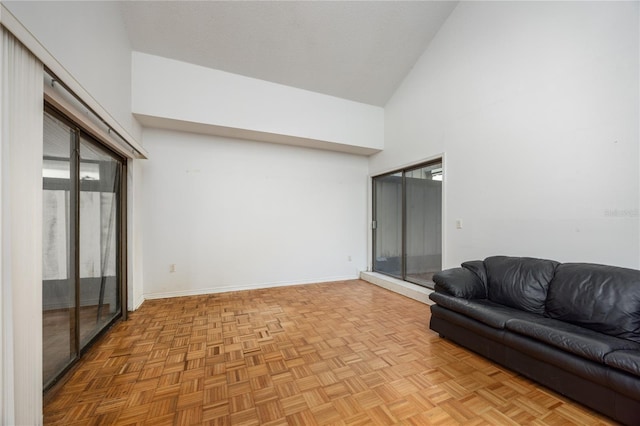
(356, 50)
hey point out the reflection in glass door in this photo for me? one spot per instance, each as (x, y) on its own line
(99, 189)
(82, 277)
(58, 272)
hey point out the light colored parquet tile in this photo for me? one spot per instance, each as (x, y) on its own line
(345, 353)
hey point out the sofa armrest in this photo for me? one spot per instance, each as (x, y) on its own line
(460, 282)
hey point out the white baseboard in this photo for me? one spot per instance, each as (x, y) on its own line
(224, 289)
(136, 303)
(413, 291)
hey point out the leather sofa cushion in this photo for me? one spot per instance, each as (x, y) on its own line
(482, 310)
(460, 282)
(601, 298)
(626, 360)
(571, 338)
(519, 282)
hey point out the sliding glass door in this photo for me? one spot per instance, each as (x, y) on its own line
(388, 224)
(407, 214)
(423, 217)
(82, 274)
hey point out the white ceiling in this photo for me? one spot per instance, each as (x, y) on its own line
(357, 50)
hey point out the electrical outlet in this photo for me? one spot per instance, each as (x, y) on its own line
(172, 267)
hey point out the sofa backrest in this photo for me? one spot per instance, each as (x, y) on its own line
(602, 298)
(519, 282)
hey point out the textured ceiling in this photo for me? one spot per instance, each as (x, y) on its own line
(357, 50)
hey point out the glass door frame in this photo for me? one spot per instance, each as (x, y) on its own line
(403, 246)
(81, 134)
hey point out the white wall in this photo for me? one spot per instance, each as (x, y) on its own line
(185, 93)
(89, 39)
(233, 214)
(535, 105)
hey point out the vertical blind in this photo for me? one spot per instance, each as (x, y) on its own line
(21, 232)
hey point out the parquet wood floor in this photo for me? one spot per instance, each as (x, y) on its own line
(346, 353)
